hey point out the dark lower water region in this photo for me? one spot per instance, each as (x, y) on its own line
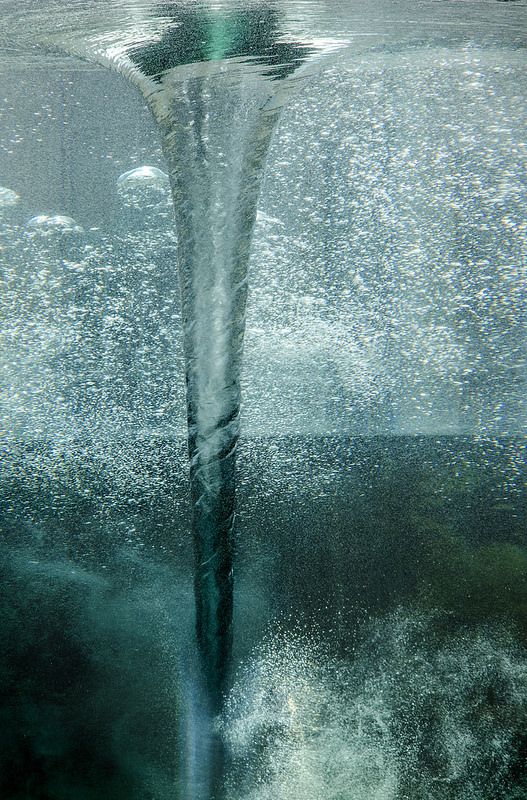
(380, 621)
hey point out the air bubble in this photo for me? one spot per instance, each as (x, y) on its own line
(53, 227)
(8, 198)
(144, 189)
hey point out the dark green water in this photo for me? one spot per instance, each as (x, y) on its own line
(380, 573)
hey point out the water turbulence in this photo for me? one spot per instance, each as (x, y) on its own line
(215, 82)
(372, 641)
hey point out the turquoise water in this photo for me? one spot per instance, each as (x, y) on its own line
(379, 620)
(331, 605)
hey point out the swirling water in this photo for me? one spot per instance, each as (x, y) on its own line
(400, 332)
(215, 115)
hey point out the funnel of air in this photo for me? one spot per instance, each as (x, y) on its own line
(215, 78)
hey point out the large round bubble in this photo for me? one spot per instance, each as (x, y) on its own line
(144, 189)
(53, 227)
(8, 198)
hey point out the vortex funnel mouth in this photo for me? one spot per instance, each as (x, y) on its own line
(164, 35)
(171, 43)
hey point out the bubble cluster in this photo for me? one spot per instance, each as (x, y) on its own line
(419, 712)
(87, 343)
(408, 235)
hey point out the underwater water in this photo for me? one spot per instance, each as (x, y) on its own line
(315, 212)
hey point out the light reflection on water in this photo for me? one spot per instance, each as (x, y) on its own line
(365, 25)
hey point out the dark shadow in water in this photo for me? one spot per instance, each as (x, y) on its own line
(100, 695)
(197, 35)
